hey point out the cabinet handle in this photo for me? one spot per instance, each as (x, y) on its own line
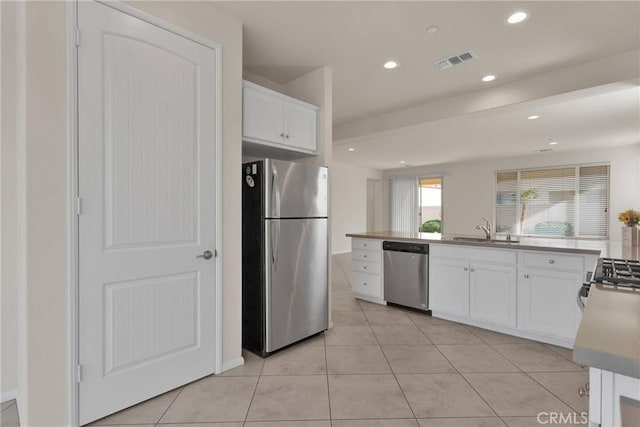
(473, 269)
(365, 283)
(466, 269)
(282, 135)
(365, 245)
(364, 256)
(526, 276)
(551, 261)
(365, 267)
(287, 136)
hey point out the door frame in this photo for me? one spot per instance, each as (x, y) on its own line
(73, 207)
(441, 178)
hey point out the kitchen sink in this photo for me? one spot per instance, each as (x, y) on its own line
(481, 240)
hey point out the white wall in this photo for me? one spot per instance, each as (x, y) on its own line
(349, 202)
(9, 205)
(468, 187)
(43, 357)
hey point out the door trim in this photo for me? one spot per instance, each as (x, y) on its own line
(71, 24)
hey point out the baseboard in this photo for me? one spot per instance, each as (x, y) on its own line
(8, 395)
(234, 363)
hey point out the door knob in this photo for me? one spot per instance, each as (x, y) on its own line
(206, 255)
(526, 276)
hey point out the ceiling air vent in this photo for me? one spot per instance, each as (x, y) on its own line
(458, 59)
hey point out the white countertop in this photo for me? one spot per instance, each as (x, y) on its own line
(603, 248)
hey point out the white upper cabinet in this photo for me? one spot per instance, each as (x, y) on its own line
(272, 121)
(262, 115)
(300, 126)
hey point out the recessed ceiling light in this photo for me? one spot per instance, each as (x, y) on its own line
(517, 17)
(553, 143)
(533, 117)
(352, 149)
(432, 30)
(488, 78)
(402, 162)
(390, 65)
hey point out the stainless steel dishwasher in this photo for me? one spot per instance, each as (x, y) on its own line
(406, 274)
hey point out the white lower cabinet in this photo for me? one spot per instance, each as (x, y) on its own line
(614, 399)
(480, 285)
(548, 302)
(449, 286)
(548, 285)
(492, 293)
(366, 269)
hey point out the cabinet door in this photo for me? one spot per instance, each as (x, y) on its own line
(547, 302)
(367, 284)
(262, 116)
(492, 291)
(449, 286)
(300, 126)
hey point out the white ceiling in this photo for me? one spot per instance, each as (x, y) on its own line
(579, 122)
(284, 40)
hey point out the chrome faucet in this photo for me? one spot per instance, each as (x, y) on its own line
(486, 228)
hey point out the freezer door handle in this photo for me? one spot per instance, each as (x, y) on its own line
(275, 193)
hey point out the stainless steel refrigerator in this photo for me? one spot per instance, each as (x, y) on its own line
(284, 254)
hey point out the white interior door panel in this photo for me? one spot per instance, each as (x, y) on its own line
(146, 174)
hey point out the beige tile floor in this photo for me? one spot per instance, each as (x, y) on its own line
(378, 366)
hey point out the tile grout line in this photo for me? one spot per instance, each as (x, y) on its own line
(404, 395)
(463, 377)
(255, 389)
(527, 373)
(170, 404)
(552, 393)
(326, 370)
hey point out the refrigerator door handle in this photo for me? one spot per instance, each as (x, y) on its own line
(275, 227)
(275, 193)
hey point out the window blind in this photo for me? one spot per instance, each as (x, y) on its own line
(558, 202)
(403, 194)
(506, 202)
(593, 200)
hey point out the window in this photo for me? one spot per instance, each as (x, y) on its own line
(560, 202)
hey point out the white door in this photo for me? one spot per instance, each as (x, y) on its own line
(146, 138)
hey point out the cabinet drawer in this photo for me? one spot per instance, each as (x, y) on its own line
(366, 244)
(367, 256)
(474, 254)
(366, 267)
(553, 261)
(367, 284)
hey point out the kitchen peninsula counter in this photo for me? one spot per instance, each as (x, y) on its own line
(602, 248)
(609, 333)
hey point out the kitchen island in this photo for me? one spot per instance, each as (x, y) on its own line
(527, 288)
(608, 341)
